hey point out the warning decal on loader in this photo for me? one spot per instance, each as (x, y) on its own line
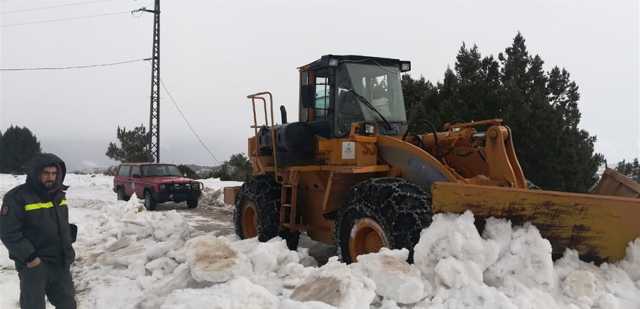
(348, 150)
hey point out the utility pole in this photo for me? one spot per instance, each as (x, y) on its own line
(154, 108)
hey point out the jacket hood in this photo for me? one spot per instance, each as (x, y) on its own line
(38, 163)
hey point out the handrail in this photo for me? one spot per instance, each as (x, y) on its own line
(260, 96)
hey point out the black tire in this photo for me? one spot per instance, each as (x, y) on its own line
(192, 203)
(264, 193)
(121, 195)
(149, 202)
(400, 208)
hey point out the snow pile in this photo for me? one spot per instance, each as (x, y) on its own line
(511, 267)
(212, 195)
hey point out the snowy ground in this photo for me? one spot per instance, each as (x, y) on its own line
(178, 258)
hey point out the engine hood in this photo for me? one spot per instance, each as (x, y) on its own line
(166, 180)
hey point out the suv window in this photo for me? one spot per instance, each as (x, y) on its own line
(124, 170)
(135, 170)
(161, 170)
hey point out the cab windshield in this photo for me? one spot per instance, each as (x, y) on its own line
(380, 85)
(160, 170)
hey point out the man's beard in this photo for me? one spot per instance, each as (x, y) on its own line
(49, 184)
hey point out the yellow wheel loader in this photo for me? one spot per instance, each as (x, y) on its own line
(347, 173)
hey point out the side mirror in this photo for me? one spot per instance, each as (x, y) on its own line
(283, 114)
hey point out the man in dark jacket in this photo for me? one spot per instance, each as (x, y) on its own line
(34, 226)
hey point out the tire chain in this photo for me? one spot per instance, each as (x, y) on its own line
(265, 193)
(401, 208)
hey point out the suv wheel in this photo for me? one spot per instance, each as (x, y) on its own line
(149, 202)
(121, 195)
(192, 203)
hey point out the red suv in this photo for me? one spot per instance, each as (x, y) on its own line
(156, 183)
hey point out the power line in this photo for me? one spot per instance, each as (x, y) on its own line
(52, 7)
(75, 66)
(187, 121)
(64, 19)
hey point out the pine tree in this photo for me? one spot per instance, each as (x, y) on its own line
(18, 147)
(238, 168)
(630, 169)
(541, 108)
(133, 146)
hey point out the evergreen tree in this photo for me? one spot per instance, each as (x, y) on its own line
(133, 146)
(238, 168)
(541, 108)
(17, 146)
(630, 169)
(188, 171)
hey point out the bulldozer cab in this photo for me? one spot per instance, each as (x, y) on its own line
(336, 91)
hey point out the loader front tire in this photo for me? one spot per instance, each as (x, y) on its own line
(257, 211)
(381, 212)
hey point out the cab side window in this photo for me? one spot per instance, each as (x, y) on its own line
(135, 170)
(322, 95)
(315, 95)
(124, 170)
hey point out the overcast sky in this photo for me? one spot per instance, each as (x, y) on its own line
(216, 52)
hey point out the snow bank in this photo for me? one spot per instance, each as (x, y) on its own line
(511, 267)
(212, 195)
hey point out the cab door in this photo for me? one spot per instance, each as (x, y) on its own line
(124, 178)
(137, 184)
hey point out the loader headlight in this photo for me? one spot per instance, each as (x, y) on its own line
(405, 66)
(369, 129)
(333, 62)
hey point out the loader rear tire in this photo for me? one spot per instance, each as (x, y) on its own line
(257, 211)
(381, 212)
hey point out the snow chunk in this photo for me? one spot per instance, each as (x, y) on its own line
(478, 297)
(454, 237)
(212, 259)
(394, 278)
(267, 257)
(335, 284)
(631, 262)
(581, 285)
(454, 273)
(238, 293)
(292, 304)
(527, 260)
(161, 266)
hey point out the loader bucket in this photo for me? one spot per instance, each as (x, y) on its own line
(598, 227)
